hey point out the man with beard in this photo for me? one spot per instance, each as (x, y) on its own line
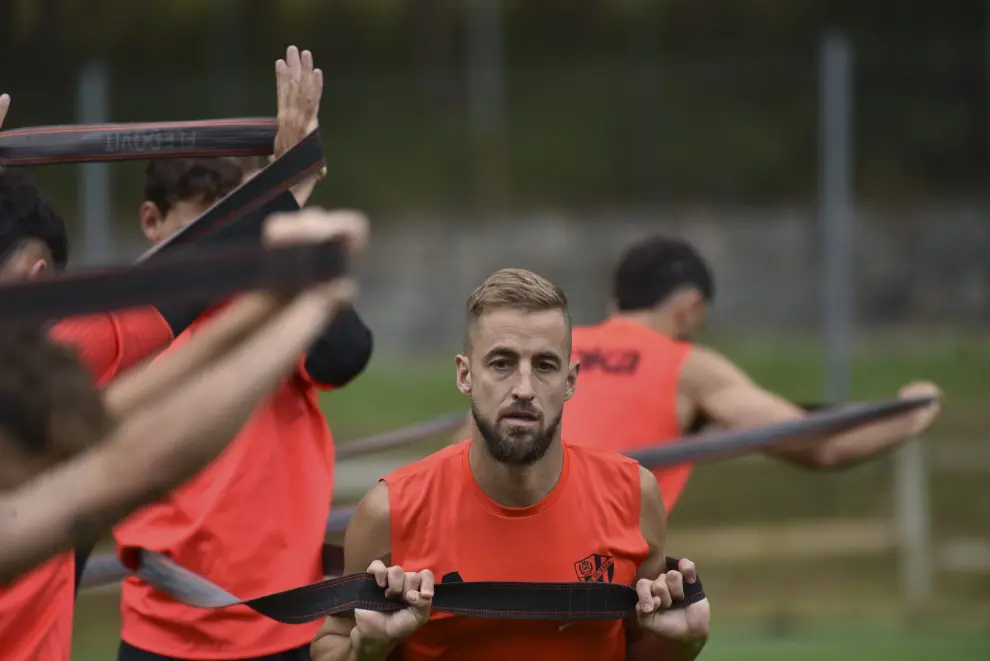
(644, 382)
(514, 503)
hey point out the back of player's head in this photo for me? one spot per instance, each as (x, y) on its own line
(49, 406)
(199, 180)
(653, 269)
(26, 215)
(516, 289)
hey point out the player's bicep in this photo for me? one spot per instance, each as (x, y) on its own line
(726, 395)
(368, 536)
(653, 527)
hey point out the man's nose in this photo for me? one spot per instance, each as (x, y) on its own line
(524, 389)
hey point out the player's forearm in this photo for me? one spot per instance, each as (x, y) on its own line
(848, 448)
(151, 381)
(304, 189)
(855, 446)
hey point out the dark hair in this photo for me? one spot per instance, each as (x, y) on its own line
(48, 401)
(168, 181)
(653, 269)
(25, 214)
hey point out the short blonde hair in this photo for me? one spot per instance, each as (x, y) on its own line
(516, 289)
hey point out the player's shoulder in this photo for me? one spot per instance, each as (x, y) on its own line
(600, 460)
(440, 461)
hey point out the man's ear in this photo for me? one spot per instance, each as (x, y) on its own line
(463, 365)
(685, 303)
(151, 220)
(572, 375)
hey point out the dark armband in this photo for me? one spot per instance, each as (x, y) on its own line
(342, 351)
(693, 592)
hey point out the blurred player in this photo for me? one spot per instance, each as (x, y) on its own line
(75, 460)
(36, 611)
(514, 503)
(643, 381)
(254, 521)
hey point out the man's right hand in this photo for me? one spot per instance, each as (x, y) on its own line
(376, 632)
(299, 87)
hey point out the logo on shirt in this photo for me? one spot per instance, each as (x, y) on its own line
(596, 568)
(609, 361)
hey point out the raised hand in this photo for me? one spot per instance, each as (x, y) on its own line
(299, 88)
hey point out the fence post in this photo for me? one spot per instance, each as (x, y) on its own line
(914, 525)
(93, 107)
(835, 210)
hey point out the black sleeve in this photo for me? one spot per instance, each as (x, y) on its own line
(247, 228)
(342, 352)
(82, 555)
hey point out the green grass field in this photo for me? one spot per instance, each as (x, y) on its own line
(846, 609)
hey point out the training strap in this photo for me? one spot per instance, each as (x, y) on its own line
(721, 445)
(87, 143)
(682, 450)
(217, 224)
(483, 599)
(200, 276)
(390, 439)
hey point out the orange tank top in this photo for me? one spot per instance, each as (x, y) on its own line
(253, 521)
(587, 528)
(36, 620)
(36, 611)
(626, 396)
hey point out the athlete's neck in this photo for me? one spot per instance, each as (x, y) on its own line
(653, 319)
(516, 486)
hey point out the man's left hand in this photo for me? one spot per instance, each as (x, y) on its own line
(656, 597)
(300, 88)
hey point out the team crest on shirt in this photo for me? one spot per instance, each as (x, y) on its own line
(596, 568)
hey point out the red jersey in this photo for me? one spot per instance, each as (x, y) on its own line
(626, 396)
(36, 611)
(586, 528)
(253, 521)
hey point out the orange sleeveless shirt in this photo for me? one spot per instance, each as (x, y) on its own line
(626, 396)
(587, 528)
(253, 521)
(36, 611)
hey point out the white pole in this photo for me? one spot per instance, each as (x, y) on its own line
(93, 107)
(835, 182)
(914, 525)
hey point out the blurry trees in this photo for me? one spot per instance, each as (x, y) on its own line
(605, 100)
